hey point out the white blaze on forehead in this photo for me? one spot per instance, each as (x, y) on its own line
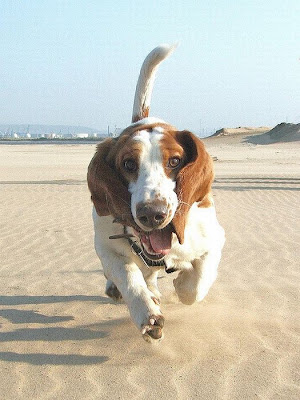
(150, 141)
(149, 138)
(152, 182)
(150, 168)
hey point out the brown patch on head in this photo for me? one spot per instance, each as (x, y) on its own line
(194, 176)
(128, 153)
(171, 149)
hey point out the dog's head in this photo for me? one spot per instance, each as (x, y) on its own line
(148, 178)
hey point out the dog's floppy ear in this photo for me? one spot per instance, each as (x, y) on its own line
(109, 193)
(193, 181)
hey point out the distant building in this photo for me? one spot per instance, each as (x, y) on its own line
(50, 135)
(81, 135)
(23, 135)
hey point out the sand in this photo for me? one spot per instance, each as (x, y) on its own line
(61, 338)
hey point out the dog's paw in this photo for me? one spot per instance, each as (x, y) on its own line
(153, 329)
(112, 291)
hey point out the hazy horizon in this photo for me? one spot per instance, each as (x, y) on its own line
(77, 63)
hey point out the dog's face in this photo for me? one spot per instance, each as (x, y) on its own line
(151, 167)
(148, 178)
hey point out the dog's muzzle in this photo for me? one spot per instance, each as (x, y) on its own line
(151, 215)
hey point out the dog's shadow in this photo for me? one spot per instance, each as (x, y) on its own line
(51, 359)
(50, 333)
(23, 300)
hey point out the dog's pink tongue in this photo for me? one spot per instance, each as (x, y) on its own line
(161, 239)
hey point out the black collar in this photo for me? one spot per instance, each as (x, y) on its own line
(150, 263)
(139, 252)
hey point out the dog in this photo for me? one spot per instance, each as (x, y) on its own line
(153, 209)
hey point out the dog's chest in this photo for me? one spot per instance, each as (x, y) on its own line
(201, 231)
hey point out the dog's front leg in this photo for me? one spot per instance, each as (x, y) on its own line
(143, 305)
(193, 284)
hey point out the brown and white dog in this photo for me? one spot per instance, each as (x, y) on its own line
(153, 209)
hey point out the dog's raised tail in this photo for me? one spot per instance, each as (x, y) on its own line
(146, 79)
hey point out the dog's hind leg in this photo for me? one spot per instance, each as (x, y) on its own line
(112, 291)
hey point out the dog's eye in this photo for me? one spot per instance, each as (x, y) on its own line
(174, 162)
(130, 165)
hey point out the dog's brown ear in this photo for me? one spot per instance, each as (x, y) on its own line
(193, 181)
(109, 193)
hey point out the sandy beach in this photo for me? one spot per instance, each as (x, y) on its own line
(62, 338)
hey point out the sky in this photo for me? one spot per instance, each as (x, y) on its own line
(77, 62)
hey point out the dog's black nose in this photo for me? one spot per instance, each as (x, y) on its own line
(151, 215)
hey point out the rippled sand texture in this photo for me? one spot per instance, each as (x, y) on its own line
(61, 338)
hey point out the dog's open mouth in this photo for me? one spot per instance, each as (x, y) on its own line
(157, 243)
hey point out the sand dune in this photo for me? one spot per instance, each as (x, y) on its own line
(61, 338)
(283, 132)
(246, 130)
